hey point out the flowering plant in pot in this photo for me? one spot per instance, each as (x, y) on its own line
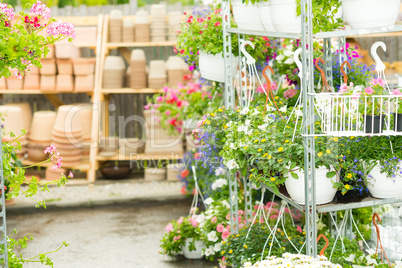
(203, 34)
(177, 232)
(21, 45)
(397, 109)
(174, 104)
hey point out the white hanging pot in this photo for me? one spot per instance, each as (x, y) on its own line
(370, 13)
(194, 254)
(325, 192)
(212, 67)
(381, 186)
(265, 15)
(283, 15)
(247, 16)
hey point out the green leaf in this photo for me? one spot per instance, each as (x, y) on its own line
(331, 174)
(294, 175)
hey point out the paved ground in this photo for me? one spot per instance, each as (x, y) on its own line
(123, 235)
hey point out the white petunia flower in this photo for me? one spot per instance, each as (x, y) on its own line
(280, 58)
(263, 127)
(245, 110)
(288, 53)
(290, 60)
(209, 251)
(371, 261)
(208, 201)
(211, 236)
(283, 109)
(298, 113)
(351, 258)
(248, 122)
(231, 164)
(232, 146)
(217, 247)
(370, 251)
(225, 203)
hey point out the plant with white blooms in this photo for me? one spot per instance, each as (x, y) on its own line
(293, 261)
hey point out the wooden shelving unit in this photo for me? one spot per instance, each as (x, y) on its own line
(83, 166)
(107, 91)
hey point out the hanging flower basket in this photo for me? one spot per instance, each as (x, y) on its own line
(247, 16)
(193, 254)
(284, 17)
(212, 67)
(381, 185)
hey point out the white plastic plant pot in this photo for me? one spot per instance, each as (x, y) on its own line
(325, 192)
(247, 16)
(382, 186)
(212, 67)
(283, 15)
(265, 16)
(194, 254)
(370, 13)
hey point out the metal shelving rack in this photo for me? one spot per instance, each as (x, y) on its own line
(307, 86)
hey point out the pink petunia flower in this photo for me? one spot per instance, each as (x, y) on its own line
(214, 220)
(220, 228)
(169, 228)
(299, 229)
(378, 81)
(176, 238)
(180, 220)
(225, 234)
(369, 90)
(397, 92)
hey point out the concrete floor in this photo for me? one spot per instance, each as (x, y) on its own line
(110, 236)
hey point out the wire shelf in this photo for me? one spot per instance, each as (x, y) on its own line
(356, 115)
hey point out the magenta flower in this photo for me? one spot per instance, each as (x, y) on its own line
(299, 229)
(169, 228)
(71, 175)
(343, 88)
(369, 90)
(40, 9)
(180, 221)
(378, 81)
(356, 95)
(176, 238)
(54, 156)
(290, 93)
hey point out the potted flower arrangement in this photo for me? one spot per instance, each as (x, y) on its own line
(200, 43)
(183, 236)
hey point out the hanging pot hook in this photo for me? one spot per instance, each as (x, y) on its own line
(377, 217)
(345, 75)
(379, 65)
(264, 73)
(298, 62)
(324, 79)
(326, 243)
(249, 59)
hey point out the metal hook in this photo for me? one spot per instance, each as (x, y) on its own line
(379, 65)
(377, 217)
(324, 79)
(249, 59)
(326, 243)
(345, 75)
(298, 62)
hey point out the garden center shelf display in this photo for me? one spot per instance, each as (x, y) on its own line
(340, 115)
(102, 45)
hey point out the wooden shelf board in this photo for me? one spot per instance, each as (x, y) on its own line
(82, 167)
(81, 20)
(141, 157)
(35, 91)
(141, 44)
(130, 90)
(85, 44)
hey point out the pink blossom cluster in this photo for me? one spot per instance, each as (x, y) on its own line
(54, 157)
(290, 93)
(397, 92)
(344, 88)
(224, 231)
(274, 87)
(61, 28)
(7, 11)
(40, 9)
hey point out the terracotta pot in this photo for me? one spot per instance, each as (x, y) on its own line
(10, 202)
(65, 82)
(48, 82)
(84, 66)
(48, 67)
(85, 115)
(26, 114)
(67, 119)
(3, 84)
(66, 50)
(142, 33)
(14, 82)
(128, 31)
(155, 174)
(114, 71)
(64, 66)
(42, 125)
(84, 83)
(35, 153)
(32, 81)
(12, 120)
